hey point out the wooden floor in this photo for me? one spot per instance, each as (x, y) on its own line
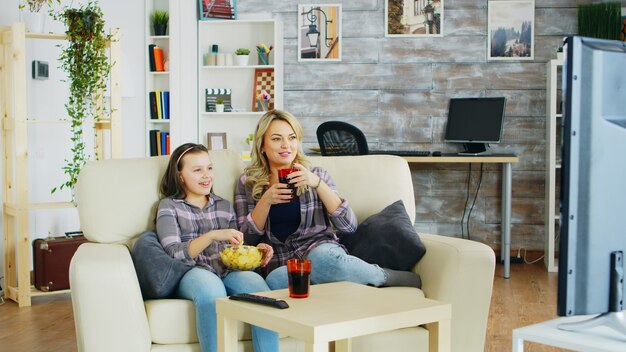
(528, 297)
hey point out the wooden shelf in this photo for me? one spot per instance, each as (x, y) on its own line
(16, 205)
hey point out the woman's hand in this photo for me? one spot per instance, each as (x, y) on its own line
(303, 177)
(278, 193)
(231, 235)
(268, 252)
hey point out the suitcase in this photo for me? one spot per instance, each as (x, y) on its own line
(51, 260)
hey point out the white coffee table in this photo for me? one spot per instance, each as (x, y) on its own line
(336, 312)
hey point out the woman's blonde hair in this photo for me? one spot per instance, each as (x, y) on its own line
(258, 172)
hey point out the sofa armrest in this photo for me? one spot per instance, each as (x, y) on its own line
(460, 272)
(109, 312)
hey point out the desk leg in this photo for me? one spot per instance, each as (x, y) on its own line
(226, 334)
(505, 243)
(518, 344)
(439, 336)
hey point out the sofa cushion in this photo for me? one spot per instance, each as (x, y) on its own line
(157, 272)
(387, 239)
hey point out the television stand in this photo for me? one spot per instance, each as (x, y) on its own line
(473, 149)
(600, 338)
(615, 318)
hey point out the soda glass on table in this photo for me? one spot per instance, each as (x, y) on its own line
(299, 272)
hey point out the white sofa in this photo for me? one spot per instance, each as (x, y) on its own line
(116, 203)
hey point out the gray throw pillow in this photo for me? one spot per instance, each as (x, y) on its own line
(158, 273)
(387, 239)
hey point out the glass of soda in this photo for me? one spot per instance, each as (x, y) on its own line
(299, 272)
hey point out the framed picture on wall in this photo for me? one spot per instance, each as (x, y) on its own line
(218, 9)
(319, 32)
(416, 18)
(216, 141)
(511, 30)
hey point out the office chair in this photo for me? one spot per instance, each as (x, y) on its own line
(341, 138)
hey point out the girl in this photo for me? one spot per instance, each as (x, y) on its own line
(192, 224)
(305, 224)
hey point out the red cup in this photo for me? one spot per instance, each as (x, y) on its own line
(282, 177)
(299, 272)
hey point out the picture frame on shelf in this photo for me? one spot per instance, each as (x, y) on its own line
(218, 9)
(418, 18)
(263, 81)
(216, 141)
(319, 32)
(511, 30)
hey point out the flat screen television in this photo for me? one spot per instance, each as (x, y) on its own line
(593, 182)
(475, 122)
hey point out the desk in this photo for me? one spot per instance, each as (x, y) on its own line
(506, 160)
(600, 338)
(357, 310)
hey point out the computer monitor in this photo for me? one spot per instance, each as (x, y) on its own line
(593, 183)
(475, 122)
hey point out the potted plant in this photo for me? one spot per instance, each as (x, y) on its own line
(87, 66)
(242, 56)
(32, 16)
(219, 105)
(159, 21)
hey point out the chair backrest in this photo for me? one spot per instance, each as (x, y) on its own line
(341, 138)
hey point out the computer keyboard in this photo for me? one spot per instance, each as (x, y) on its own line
(402, 152)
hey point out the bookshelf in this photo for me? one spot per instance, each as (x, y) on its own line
(157, 82)
(553, 161)
(229, 35)
(15, 178)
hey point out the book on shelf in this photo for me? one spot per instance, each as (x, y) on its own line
(159, 142)
(153, 142)
(159, 59)
(159, 105)
(153, 106)
(212, 94)
(151, 57)
(164, 143)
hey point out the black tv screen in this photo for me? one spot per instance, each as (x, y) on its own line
(593, 178)
(475, 121)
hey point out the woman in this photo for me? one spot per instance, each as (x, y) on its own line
(193, 224)
(303, 224)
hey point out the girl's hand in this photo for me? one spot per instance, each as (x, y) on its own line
(268, 252)
(303, 177)
(231, 235)
(278, 193)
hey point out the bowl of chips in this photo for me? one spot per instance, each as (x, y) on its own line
(241, 257)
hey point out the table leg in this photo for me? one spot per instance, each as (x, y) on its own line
(439, 336)
(226, 334)
(506, 219)
(343, 345)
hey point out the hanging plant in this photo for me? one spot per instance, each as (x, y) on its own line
(87, 66)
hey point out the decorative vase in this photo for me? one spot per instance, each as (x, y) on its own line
(242, 60)
(160, 29)
(219, 107)
(33, 21)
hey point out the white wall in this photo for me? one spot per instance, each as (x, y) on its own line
(49, 143)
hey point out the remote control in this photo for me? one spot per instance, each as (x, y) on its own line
(268, 301)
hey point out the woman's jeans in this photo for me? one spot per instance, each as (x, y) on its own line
(331, 263)
(204, 287)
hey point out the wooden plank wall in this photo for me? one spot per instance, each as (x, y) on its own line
(397, 90)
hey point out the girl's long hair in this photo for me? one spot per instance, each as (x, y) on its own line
(258, 172)
(171, 184)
